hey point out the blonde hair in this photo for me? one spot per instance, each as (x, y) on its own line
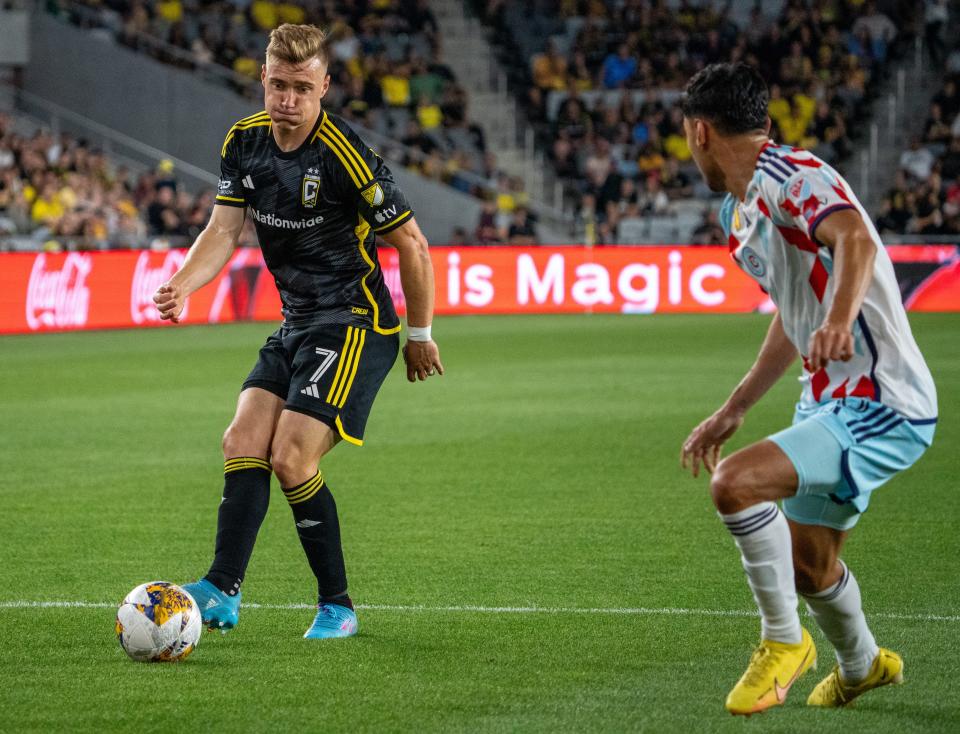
(295, 44)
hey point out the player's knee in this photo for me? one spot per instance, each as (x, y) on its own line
(235, 443)
(291, 465)
(728, 488)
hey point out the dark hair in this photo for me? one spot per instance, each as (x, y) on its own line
(731, 97)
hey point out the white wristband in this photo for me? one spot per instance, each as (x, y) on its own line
(418, 333)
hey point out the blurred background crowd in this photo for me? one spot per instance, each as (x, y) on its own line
(598, 81)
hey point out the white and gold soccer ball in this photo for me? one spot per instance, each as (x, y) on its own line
(158, 622)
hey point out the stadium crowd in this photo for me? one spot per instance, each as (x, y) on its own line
(604, 77)
(925, 196)
(63, 193)
(600, 80)
(386, 68)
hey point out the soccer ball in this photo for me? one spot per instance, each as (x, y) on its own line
(158, 622)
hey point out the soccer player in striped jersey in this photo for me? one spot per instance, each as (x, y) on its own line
(317, 196)
(868, 406)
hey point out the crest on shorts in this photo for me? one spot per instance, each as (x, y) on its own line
(373, 195)
(310, 189)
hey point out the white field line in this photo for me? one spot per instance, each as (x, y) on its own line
(472, 609)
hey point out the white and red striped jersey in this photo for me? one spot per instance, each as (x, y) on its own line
(772, 237)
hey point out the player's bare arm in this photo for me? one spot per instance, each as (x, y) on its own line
(416, 275)
(854, 251)
(705, 442)
(206, 258)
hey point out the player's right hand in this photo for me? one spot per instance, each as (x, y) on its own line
(170, 301)
(705, 441)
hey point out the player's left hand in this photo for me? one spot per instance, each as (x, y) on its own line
(830, 343)
(423, 360)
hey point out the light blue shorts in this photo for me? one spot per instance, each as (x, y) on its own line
(842, 451)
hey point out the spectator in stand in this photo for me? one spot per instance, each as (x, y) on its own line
(424, 82)
(876, 26)
(676, 182)
(619, 68)
(793, 126)
(165, 177)
(950, 161)
(625, 205)
(708, 231)
(936, 131)
(917, 161)
(796, 68)
(654, 200)
(487, 232)
(46, 208)
(162, 216)
(521, 230)
(573, 121)
(549, 71)
(829, 134)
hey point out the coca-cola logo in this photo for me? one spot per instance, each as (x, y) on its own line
(146, 280)
(59, 298)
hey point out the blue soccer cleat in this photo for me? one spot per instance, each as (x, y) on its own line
(218, 611)
(332, 620)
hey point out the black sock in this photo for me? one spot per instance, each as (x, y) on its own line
(246, 494)
(343, 600)
(315, 514)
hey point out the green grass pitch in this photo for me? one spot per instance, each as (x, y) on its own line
(541, 471)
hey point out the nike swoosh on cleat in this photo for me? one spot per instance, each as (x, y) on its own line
(781, 693)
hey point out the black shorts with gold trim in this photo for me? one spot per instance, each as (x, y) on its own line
(329, 372)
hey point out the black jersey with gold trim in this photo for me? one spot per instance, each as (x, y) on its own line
(316, 210)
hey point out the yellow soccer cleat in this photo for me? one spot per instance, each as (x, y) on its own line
(832, 692)
(774, 667)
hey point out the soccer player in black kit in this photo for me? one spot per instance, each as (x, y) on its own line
(318, 197)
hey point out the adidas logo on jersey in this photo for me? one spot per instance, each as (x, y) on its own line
(311, 390)
(248, 181)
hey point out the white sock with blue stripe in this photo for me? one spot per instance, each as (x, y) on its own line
(839, 612)
(763, 537)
